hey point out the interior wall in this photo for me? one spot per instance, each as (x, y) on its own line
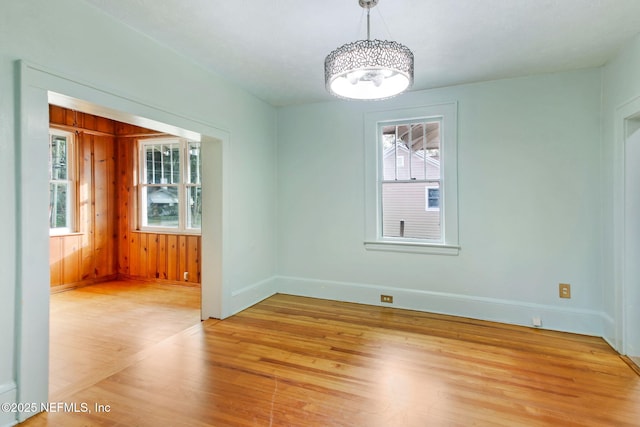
(529, 177)
(620, 86)
(89, 254)
(90, 47)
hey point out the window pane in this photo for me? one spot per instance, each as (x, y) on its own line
(411, 151)
(432, 150)
(194, 198)
(389, 153)
(404, 213)
(58, 164)
(58, 205)
(163, 206)
(194, 163)
(403, 156)
(433, 197)
(162, 163)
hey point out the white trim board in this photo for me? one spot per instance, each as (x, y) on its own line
(579, 321)
(34, 85)
(8, 395)
(626, 339)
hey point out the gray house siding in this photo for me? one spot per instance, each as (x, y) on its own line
(405, 212)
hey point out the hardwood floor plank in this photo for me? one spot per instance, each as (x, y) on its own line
(95, 329)
(294, 361)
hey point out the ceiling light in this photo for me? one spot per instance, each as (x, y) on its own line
(369, 69)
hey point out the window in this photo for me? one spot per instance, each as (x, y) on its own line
(433, 199)
(61, 182)
(411, 173)
(170, 185)
(410, 190)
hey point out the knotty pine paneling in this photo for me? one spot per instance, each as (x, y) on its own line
(172, 257)
(87, 256)
(143, 255)
(165, 257)
(106, 245)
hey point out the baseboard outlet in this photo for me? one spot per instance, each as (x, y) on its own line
(587, 322)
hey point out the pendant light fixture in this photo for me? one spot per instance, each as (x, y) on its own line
(369, 69)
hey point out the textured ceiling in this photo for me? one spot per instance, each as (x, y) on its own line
(276, 49)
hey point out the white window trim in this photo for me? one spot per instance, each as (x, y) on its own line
(449, 244)
(182, 187)
(72, 178)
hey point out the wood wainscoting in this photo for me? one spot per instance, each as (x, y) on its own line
(106, 245)
(163, 257)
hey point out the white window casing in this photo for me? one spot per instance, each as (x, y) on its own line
(447, 242)
(62, 176)
(167, 186)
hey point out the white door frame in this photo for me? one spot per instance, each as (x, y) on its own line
(627, 120)
(35, 85)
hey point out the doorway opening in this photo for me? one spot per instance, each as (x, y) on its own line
(117, 290)
(37, 87)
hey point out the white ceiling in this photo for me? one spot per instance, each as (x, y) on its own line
(276, 49)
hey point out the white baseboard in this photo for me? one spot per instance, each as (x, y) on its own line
(8, 395)
(250, 295)
(579, 321)
(609, 332)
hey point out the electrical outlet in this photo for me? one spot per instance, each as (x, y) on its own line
(565, 290)
(386, 298)
(536, 321)
(186, 276)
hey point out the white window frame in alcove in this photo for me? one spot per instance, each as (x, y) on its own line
(37, 86)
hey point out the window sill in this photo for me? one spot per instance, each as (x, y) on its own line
(167, 231)
(66, 233)
(411, 247)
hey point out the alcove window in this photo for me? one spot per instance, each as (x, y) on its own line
(170, 189)
(61, 182)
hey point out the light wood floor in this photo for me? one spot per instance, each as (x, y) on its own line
(293, 361)
(98, 330)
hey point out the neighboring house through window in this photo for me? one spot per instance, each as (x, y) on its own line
(61, 182)
(411, 173)
(170, 196)
(410, 188)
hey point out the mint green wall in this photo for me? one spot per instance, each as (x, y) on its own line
(621, 84)
(8, 242)
(530, 202)
(74, 39)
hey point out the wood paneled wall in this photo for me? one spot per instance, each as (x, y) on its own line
(162, 257)
(88, 256)
(107, 246)
(145, 255)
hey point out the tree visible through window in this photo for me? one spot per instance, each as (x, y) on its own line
(411, 179)
(61, 183)
(170, 184)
